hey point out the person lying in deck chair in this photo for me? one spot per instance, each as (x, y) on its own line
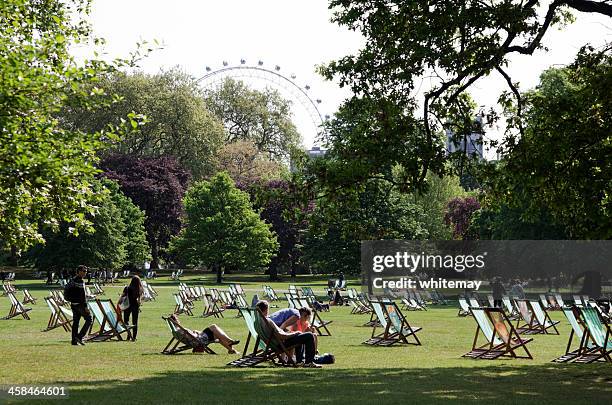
(209, 335)
(300, 339)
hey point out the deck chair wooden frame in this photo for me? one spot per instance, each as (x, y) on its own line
(211, 308)
(510, 309)
(390, 334)
(536, 319)
(464, 307)
(28, 298)
(182, 307)
(315, 320)
(573, 316)
(598, 337)
(111, 324)
(182, 340)
(500, 337)
(17, 308)
(60, 316)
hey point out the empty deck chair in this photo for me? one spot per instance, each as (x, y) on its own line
(28, 298)
(500, 337)
(544, 301)
(559, 300)
(511, 310)
(182, 339)
(535, 319)
(395, 327)
(60, 316)
(181, 306)
(543, 319)
(308, 292)
(474, 303)
(572, 314)
(598, 337)
(17, 308)
(211, 308)
(490, 300)
(464, 308)
(113, 325)
(577, 300)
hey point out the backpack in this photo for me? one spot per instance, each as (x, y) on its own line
(325, 358)
(71, 292)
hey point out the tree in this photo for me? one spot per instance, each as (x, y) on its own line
(246, 165)
(456, 42)
(340, 222)
(46, 170)
(117, 236)
(459, 214)
(178, 121)
(261, 117)
(157, 186)
(560, 168)
(221, 229)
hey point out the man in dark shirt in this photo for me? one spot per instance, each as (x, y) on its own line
(79, 308)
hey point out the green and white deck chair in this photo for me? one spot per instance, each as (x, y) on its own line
(490, 300)
(599, 334)
(577, 300)
(89, 294)
(97, 289)
(117, 328)
(316, 321)
(226, 299)
(272, 294)
(379, 320)
(474, 303)
(180, 307)
(104, 332)
(240, 302)
(464, 308)
(250, 359)
(410, 304)
(572, 314)
(182, 339)
(28, 298)
(293, 290)
(60, 316)
(17, 308)
(308, 292)
(59, 297)
(211, 308)
(500, 337)
(511, 310)
(544, 322)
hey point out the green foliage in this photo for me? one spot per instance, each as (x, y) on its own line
(337, 225)
(45, 169)
(221, 229)
(117, 236)
(561, 168)
(261, 117)
(178, 121)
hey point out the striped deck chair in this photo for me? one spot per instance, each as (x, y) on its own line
(60, 316)
(17, 308)
(572, 314)
(577, 300)
(104, 332)
(182, 339)
(28, 298)
(116, 327)
(559, 300)
(535, 318)
(599, 334)
(181, 306)
(544, 301)
(490, 300)
(474, 303)
(267, 345)
(464, 308)
(553, 305)
(308, 292)
(89, 294)
(294, 290)
(97, 289)
(544, 322)
(511, 310)
(211, 308)
(8, 289)
(315, 320)
(501, 338)
(393, 330)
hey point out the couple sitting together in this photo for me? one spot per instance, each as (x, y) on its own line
(292, 327)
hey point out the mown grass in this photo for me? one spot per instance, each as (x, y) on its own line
(126, 372)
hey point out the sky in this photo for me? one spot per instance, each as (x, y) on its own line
(295, 35)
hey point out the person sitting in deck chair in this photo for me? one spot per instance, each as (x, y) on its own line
(302, 339)
(303, 325)
(210, 334)
(285, 318)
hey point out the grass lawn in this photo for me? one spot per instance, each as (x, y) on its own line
(127, 372)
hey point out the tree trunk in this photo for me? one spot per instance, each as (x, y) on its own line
(273, 270)
(293, 266)
(14, 257)
(219, 273)
(154, 255)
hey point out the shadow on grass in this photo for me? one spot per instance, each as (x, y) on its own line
(474, 382)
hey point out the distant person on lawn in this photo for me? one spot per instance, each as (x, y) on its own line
(134, 293)
(306, 339)
(79, 307)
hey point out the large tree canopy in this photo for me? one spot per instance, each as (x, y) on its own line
(261, 117)
(455, 42)
(157, 186)
(45, 168)
(178, 121)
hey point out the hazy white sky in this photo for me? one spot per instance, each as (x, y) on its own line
(296, 35)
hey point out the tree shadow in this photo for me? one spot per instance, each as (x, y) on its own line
(539, 384)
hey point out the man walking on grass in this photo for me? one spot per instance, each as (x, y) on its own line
(75, 293)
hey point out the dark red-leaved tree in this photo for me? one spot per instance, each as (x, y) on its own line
(459, 213)
(157, 186)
